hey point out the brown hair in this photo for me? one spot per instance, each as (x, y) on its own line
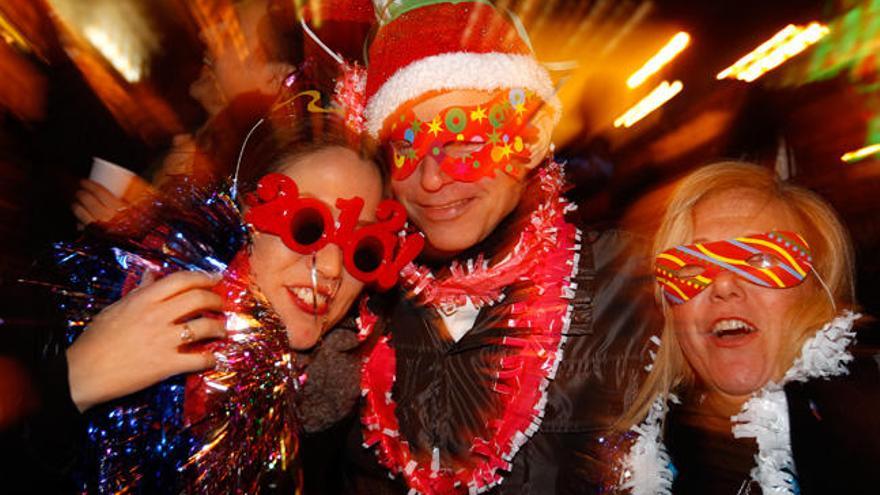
(819, 224)
(257, 134)
(272, 146)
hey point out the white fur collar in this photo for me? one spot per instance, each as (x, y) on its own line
(647, 469)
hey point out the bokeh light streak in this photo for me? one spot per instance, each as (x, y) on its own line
(655, 99)
(12, 36)
(861, 153)
(113, 53)
(784, 45)
(673, 47)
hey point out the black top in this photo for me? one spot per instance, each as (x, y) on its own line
(834, 431)
(707, 457)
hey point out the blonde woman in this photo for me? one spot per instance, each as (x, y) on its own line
(758, 385)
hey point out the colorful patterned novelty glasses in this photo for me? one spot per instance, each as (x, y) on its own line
(776, 260)
(469, 143)
(372, 253)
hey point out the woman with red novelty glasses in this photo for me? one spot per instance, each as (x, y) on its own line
(242, 283)
(758, 385)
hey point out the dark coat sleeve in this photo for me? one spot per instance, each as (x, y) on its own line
(604, 362)
(608, 346)
(835, 431)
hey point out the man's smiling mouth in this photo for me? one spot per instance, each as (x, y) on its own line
(445, 211)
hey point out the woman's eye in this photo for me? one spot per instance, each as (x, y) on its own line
(689, 271)
(763, 260)
(461, 149)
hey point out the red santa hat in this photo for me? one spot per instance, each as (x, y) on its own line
(435, 45)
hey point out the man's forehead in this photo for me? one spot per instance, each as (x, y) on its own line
(433, 103)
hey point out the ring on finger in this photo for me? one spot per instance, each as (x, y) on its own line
(186, 334)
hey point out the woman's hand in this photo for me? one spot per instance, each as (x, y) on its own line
(95, 203)
(143, 338)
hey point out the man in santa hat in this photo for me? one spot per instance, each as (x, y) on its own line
(509, 350)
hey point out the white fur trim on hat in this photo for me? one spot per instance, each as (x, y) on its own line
(459, 70)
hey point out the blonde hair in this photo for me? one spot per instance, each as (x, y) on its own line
(818, 223)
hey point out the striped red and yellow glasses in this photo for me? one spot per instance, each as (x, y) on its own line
(776, 260)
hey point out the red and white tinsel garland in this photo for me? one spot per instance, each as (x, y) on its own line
(349, 95)
(546, 253)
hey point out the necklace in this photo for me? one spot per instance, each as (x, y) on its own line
(546, 254)
(648, 470)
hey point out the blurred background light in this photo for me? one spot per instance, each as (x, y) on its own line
(11, 35)
(120, 60)
(784, 45)
(861, 153)
(119, 30)
(655, 99)
(669, 51)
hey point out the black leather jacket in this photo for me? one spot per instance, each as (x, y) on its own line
(835, 433)
(442, 387)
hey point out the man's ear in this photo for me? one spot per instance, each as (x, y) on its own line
(540, 147)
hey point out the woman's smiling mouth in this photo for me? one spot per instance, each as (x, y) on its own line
(308, 301)
(732, 332)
